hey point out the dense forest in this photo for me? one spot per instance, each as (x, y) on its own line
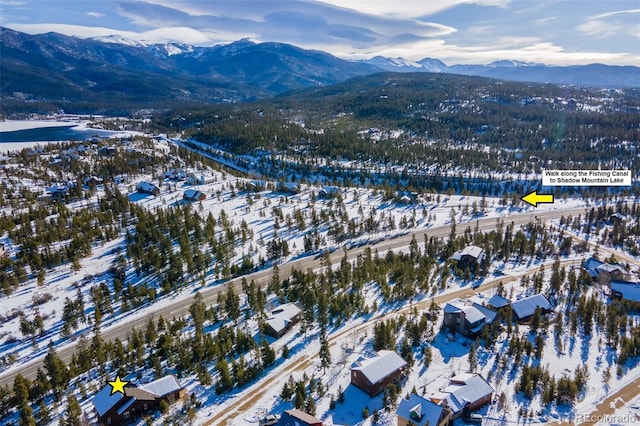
(469, 122)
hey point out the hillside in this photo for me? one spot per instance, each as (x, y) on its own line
(48, 72)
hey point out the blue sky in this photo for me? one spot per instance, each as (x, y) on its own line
(562, 32)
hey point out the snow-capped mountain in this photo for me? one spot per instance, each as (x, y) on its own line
(57, 67)
(404, 65)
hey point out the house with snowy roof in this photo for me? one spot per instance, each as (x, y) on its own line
(469, 256)
(147, 188)
(298, 417)
(118, 409)
(467, 319)
(373, 375)
(282, 319)
(524, 308)
(602, 272)
(419, 411)
(467, 392)
(61, 192)
(625, 290)
(498, 302)
(329, 191)
(192, 195)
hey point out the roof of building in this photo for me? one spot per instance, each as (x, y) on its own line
(592, 263)
(381, 366)
(526, 307)
(473, 314)
(282, 316)
(146, 186)
(105, 401)
(139, 393)
(473, 251)
(193, 194)
(489, 315)
(419, 410)
(610, 267)
(498, 301)
(454, 306)
(163, 386)
(294, 417)
(474, 389)
(126, 405)
(628, 290)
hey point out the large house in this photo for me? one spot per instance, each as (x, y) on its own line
(467, 320)
(297, 417)
(524, 308)
(119, 409)
(419, 411)
(282, 319)
(466, 392)
(373, 375)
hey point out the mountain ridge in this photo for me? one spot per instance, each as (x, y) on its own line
(59, 68)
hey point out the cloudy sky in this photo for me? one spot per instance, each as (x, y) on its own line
(456, 31)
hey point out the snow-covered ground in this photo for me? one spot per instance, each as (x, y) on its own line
(351, 339)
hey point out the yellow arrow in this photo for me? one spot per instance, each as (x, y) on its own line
(534, 198)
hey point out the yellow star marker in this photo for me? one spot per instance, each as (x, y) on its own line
(117, 385)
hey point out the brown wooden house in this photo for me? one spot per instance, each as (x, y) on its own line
(373, 375)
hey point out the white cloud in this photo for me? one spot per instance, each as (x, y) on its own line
(458, 31)
(408, 8)
(610, 24)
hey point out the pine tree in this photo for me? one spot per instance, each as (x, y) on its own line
(473, 359)
(74, 412)
(226, 382)
(43, 416)
(58, 372)
(325, 354)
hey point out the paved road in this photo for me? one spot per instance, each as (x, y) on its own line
(180, 307)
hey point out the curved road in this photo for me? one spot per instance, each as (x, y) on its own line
(180, 306)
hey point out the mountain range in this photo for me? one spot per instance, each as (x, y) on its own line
(57, 68)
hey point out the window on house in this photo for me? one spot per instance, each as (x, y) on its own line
(126, 415)
(108, 420)
(145, 406)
